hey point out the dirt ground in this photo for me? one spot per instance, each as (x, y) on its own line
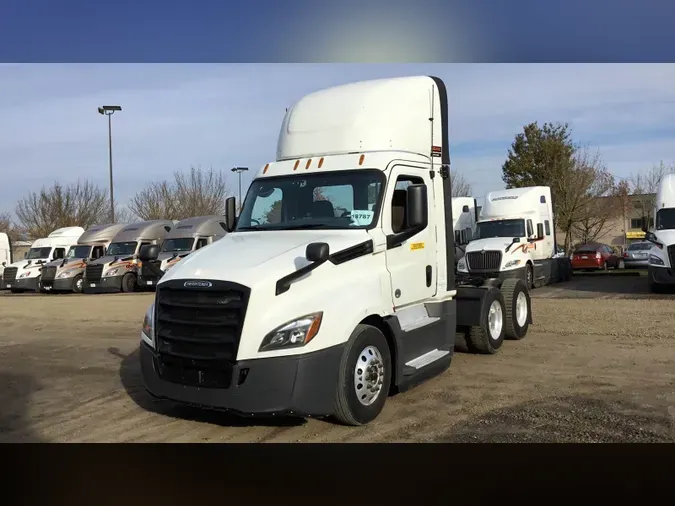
(597, 366)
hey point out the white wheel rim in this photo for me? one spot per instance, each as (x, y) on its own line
(368, 375)
(521, 309)
(78, 284)
(495, 319)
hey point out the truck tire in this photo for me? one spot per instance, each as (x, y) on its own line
(128, 282)
(529, 277)
(38, 285)
(487, 337)
(517, 306)
(364, 377)
(78, 284)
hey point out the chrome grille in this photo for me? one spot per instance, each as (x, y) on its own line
(671, 256)
(483, 261)
(93, 273)
(48, 274)
(9, 274)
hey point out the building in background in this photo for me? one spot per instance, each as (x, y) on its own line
(20, 248)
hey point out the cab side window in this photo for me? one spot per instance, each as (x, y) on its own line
(399, 221)
(201, 243)
(96, 252)
(59, 253)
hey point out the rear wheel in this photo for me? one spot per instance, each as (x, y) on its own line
(529, 277)
(517, 308)
(487, 337)
(78, 284)
(15, 290)
(364, 377)
(128, 282)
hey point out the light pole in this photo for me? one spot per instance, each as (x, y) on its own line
(109, 110)
(239, 170)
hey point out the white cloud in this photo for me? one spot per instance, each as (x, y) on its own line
(226, 115)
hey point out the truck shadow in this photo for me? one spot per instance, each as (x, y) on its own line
(15, 421)
(130, 376)
(601, 286)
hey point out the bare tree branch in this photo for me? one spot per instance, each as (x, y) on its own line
(8, 226)
(459, 184)
(81, 204)
(644, 185)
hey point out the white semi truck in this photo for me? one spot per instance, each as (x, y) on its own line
(307, 311)
(5, 256)
(465, 214)
(187, 236)
(67, 275)
(26, 274)
(661, 267)
(515, 238)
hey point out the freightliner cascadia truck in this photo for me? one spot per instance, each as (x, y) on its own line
(336, 286)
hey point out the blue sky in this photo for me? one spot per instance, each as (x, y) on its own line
(225, 115)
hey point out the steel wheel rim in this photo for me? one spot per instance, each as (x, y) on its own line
(368, 375)
(78, 284)
(495, 319)
(521, 309)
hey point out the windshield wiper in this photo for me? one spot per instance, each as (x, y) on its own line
(252, 227)
(305, 226)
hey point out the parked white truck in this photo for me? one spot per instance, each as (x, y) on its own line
(5, 256)
(118, 269)
(465, 214)
(307, 311)
(661, 268)
(67, 275)
(26, 274)
(515, 238)
(187, 236)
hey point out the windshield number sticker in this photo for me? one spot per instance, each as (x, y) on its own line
(361, 217)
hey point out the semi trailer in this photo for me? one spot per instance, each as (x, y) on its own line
(26, 275)
(187, 236)
(661, 267)
(5, 256)
(67, 274)
(118, 269)
(302, 310)
(515, 238)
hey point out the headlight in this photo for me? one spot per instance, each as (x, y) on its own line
(25, 274)
(461, 265)
(293, 334)
(654, 260)
(112, 272)
(65, 274)
(148, 332)
(511, 263)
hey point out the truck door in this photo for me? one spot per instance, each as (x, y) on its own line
(412, 265)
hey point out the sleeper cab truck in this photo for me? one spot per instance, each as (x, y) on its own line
(118, 269)
(336, 285)
(661, 267)
(67, 275)
(465, 214)
(515, 238)
(5, 256)
(187, 236)
(26, 275)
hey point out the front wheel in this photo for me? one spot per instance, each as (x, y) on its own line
(364, 377)
(128, 283)
(78, 284)
(529, 277)
(38, 285)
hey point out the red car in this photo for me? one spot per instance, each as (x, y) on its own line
(594, 256)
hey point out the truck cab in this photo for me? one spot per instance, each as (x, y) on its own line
(5, 256)
(465, 214)
(187, 236)
(661, 267)
(118, 269)
(67, 274)
(26, 275)
(336, 285)
(515, 238)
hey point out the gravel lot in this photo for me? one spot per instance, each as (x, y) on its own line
(597, 366)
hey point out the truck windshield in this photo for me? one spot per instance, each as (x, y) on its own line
(117, 249)
(79, 252)
(171, 245)
(500, 228)
(347, 199)
(38, 253)
(665, 219)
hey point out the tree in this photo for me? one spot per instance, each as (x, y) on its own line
(273, 214)
(7, 226)
(80, 204)
(198, 193)
(460, 186)
(643, 186)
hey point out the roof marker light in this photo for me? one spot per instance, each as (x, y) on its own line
(309, 162)
(361, 158)
(265, 169)
(295, 167)
(320, 162)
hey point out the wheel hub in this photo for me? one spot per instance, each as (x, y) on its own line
(495, 319)
(521, 309)
(369, 375)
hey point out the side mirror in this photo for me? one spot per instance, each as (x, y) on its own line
(25, 255)
(650, 236)
(317, 252)
(230, 213)
(148, 252)
(4, 263)
(416, 205)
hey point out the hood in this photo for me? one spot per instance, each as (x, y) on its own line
(492, 244)
(28, 264)
(251, 257)
(72, 263)
(667, 237)
(169, 259)
(109, 259)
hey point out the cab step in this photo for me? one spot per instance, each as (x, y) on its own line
(424, 360)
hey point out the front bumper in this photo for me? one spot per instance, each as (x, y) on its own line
(108, 284)
(661, 275)
(589, 264)
(628, 263)
(59, 285)
(303, 385)
(518, 273)
(23, 284)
